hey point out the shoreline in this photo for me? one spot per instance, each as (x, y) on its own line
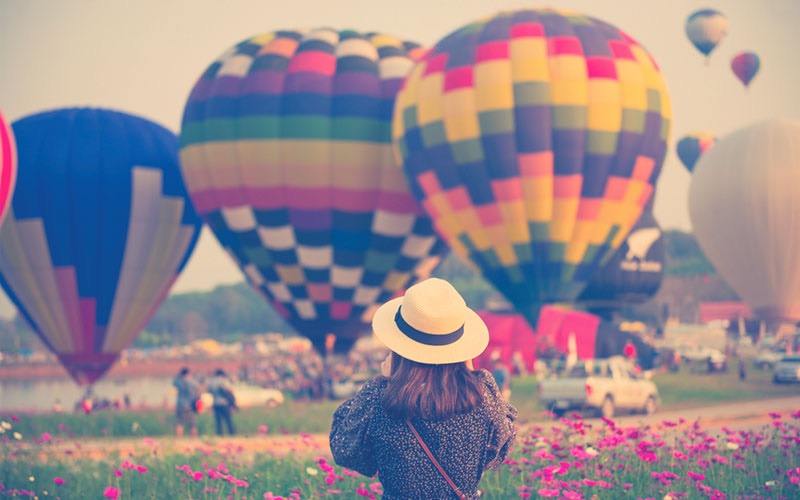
(128, 369)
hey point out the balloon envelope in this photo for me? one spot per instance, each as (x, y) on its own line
(534, 140)
(633, 274)
(98, 230)
(745, 66)
(8, 165)
(744, 204)
(691, 146)
(706, 28)
(286, 152)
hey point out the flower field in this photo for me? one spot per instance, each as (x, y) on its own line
(570, 458)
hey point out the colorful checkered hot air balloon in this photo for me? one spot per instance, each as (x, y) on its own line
(286, 153)
(534, 139)
(8, 165)
(98, 230)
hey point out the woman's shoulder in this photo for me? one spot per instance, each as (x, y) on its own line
(485, 377)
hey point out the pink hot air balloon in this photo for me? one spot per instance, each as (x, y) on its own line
(745, 66)
(8, 165)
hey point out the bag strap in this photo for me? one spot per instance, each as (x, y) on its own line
(435, 462)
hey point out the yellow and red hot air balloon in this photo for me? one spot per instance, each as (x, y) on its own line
(286, 151)
(534, 139)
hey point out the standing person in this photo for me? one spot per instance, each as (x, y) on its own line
(185, 403)
(502, 377)
(224, 401)
(629, 351)
(429, 425)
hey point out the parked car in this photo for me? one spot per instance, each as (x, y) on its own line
(766, 359)
(787, 370)
(701, 358)
(248, 395)
(604, 386)
(348, 387)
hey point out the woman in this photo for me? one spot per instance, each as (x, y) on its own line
(427, 386)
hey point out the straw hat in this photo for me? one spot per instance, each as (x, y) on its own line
(431, 324)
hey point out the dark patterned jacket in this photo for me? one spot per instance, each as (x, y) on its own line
(364, 438)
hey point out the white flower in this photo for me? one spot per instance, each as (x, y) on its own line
(5, 425)
(591, 452)
(771, 483)
(312, 471)
(31, 479)
(731, 446)
(17, 436)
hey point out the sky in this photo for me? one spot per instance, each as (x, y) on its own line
(143, 57)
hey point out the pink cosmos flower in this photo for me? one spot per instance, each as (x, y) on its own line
(548, 492)
(111, 492)
(118, 473)
(198, 476)
(141, 469)
(696, 475)
(59, 481)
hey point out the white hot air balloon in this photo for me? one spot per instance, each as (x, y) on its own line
(744, 203)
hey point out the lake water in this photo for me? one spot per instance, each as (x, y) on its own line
(41, 394)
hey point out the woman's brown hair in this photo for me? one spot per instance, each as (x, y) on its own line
(430, 391)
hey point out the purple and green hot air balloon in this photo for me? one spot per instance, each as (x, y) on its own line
(286, 153)
(98, 230)
(692, 146)
(534, 139)
(705, 28)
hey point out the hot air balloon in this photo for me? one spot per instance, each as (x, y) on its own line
(745, 66)
(632, 275)
(534, 139)
(98, 230)
(286, 152)
(744, 204)
(705, 29)
(8, 165)
(692, 145)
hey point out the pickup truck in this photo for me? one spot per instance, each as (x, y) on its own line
(606, 386)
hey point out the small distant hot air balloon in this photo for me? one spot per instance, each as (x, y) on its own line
(745, 66)
(534, 139)
(692, 145)
(8, 165)
(744, 204)
(98, 230)
(286, 149)
(705, 29)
